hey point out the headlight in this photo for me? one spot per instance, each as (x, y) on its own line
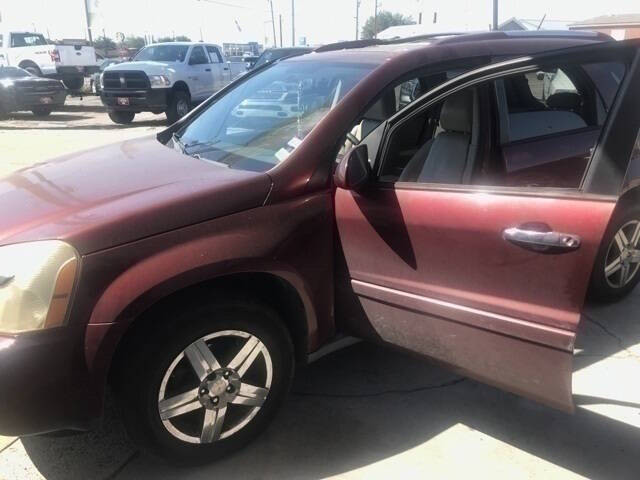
(36, 282)
(158, 81)
(102, 79)
(6, 82)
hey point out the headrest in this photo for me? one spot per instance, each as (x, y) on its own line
(384, 108)
(457, 112)
(565, 101)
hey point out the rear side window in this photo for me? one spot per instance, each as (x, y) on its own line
(214, 54)
(556, 100)
(27, 40)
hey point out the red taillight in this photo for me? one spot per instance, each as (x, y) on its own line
(55, 55)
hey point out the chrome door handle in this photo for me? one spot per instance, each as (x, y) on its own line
(540, 238)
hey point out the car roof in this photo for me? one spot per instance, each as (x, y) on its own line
(459, 45)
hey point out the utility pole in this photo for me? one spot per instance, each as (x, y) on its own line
(280, 30)
(375, 21)
(273, 24)
(86, 16)
(495, 14)
(357, 18)
(293, 23)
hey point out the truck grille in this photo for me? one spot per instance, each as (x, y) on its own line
(125, 80)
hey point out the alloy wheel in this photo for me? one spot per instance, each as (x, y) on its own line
(215, 386)
(182, 108)
(623, 256)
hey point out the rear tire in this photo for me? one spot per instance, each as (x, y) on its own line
(73, 84)
(122, 118)
(33, 69)
(617, 268)
(160, 368)
(42, 111)
(178, 107)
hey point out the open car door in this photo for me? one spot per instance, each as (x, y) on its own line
(456, 260)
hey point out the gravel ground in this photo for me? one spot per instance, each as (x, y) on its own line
(366, 412)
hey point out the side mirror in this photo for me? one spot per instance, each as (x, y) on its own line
(354, 171)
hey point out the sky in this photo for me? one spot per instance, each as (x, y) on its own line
(320, 21)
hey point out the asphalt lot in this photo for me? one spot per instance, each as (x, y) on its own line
(367, 411)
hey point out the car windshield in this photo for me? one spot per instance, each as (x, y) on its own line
(260, 122)
(13, 72)
(273, 55)
(162, 53)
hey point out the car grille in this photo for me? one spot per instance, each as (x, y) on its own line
(39, 88)
(125, 80)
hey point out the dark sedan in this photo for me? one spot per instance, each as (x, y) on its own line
(19, 90)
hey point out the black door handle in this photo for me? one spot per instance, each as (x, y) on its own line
(207, 69)
(541, 239)
(226, 68)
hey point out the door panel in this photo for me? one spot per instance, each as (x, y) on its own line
(432, 273)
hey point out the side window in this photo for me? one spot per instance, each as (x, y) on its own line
(534, 129)
(214, 54)
(198, 56)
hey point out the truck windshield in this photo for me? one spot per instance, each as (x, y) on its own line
(259, 123)
(162, 53)
(13, 72)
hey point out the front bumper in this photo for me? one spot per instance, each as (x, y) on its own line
(14, 101)
(150, 100)
(43, 383)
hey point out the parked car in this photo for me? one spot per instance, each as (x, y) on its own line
(20, 90)
(166, 77)
(191, 272)
(31, 51)
(94, 83)
(273, 54)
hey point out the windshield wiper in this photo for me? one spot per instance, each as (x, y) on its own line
(177, 141)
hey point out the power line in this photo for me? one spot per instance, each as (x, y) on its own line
(232, 5)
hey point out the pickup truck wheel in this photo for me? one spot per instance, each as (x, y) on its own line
(208, 382)
(42, 111)
(617, 268)
(122, 118)
(33, 70)
(73, 83)
(179, 106)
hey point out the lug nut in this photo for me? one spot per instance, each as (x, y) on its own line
(203, 391)
(229, 388)
(214, 400)
(227, 374)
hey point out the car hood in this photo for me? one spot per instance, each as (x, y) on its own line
(120, 193)
(150, 68)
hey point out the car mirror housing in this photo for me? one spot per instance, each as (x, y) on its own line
(354, 170)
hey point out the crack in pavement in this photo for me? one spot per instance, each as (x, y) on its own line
(613, 335)
(450, 383)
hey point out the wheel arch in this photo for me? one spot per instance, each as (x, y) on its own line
(180, 86)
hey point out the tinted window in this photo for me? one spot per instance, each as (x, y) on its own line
(27, 39)
(198, 57)
(275, 54)
(260, 122)
(162, 53)
(13, 72)
(214, 54)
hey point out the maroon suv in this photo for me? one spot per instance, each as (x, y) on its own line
(456, 197)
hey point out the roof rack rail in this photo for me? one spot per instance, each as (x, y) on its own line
(376, 41)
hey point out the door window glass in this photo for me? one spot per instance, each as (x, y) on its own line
(198, 57)
(27, 39)
(535, 129)
(214, 54)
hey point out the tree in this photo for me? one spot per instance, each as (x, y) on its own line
(178, 38)
(134, 42)
(385, 20)
(104, 43)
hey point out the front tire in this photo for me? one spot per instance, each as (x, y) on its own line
(122, 118)
(207, 382)
(617, 268)
(178, 107)
(42, 111)
(73, 84)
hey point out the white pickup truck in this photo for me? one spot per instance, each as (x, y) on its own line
(31, 51)
(166, 77)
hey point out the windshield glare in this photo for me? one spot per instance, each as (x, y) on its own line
(13, 72)
(259, 123)
(162, 53)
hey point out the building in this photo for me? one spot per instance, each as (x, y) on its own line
(241, 49)
(620, 27)
(531, 24)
